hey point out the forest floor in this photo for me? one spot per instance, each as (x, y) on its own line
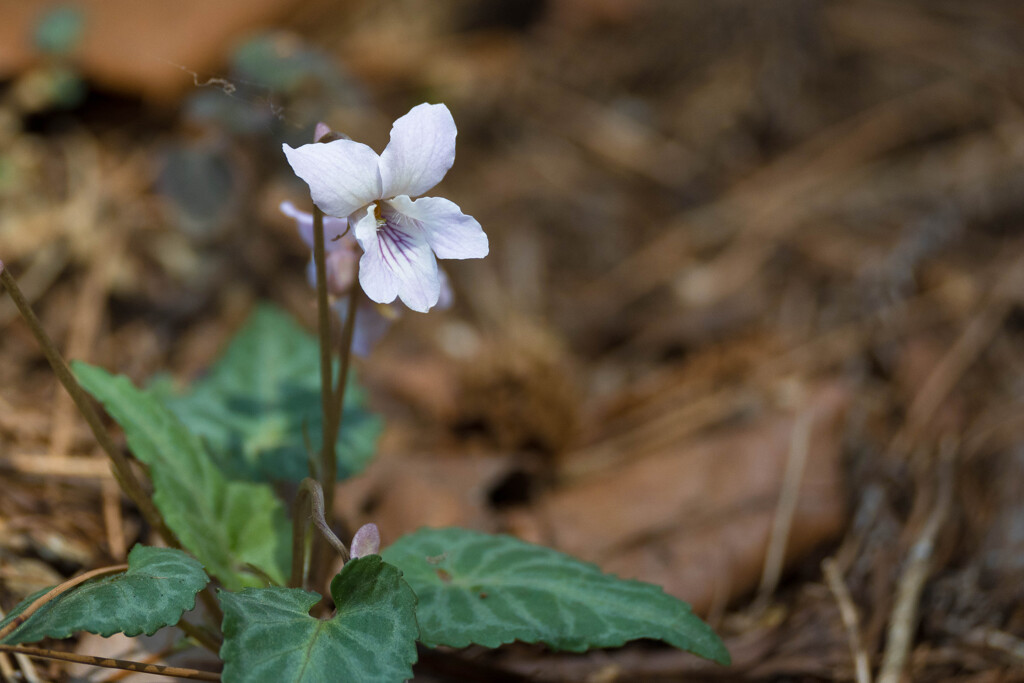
(751, 328)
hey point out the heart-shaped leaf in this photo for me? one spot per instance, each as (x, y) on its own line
(226, 524)
(270, 637)
(159, 585)
(485, 589)
(253, 406)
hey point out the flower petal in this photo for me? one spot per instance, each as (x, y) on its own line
(450, 233)
(447, 298)
(342, 175)
(421, 151)
(334, 228)
(372, 323)
(366, 541)
(397, 262)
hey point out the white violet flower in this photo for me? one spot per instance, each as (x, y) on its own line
(402, 238)
(373, 320)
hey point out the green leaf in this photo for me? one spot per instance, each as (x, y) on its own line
(269, 635)
(226, 524)
(489, 590)
(253, 405)
(159, 585)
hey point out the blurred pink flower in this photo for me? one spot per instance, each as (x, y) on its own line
(373, 319)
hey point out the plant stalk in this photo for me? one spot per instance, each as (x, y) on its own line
(328, 461)
(120, 464)
(338, 397)
(309, 507)
(347, 333)
(328, 457)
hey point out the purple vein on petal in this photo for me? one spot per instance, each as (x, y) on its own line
(393, 237)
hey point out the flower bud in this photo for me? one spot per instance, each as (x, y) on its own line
(366, 541)
(323, 133)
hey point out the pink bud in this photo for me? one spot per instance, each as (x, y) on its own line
(321, 131)
(366, 541)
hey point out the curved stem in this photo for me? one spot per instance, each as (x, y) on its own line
(122, 468)
(119, 462)
(55, 592)
(310, 497)
(204, 639)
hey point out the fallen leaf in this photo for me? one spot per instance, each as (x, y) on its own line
(696, 518)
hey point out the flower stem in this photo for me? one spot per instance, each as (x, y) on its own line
(328, 458)
(122, 468)
(309, 507)
(347, 332)
(119, 462)
(327, 453)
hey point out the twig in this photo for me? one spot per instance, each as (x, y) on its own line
(28, 670)
(122, 468)
(995, 639)
(7, 672)
(59, 466)
(112, 518)
(82, 335)
(54, 592)
(195, 632)
(851, 619)
(311, 497)
(765, 201)
(903, 620)
(789, 496)
(974, 338)
(151, 658)
(38, 276)
(141, 667)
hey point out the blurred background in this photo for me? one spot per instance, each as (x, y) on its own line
(751, 328)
